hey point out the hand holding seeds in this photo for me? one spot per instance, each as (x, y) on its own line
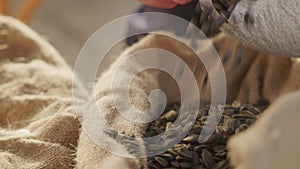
(270, 26)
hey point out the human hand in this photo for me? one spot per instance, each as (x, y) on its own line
(164, 3)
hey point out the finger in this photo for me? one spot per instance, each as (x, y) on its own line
(181, 2)
(160, 3)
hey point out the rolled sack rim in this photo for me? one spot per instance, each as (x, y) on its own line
(268, 26)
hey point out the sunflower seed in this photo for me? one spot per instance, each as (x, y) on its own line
(175, 164)
(228, 112)
(220, 165)
(183, 159)
(162, 161)
(171, 115)
(208, 160)
(215, 137)
(196, 128)
(199, 148)
(166, 156)
(250, 121)
(186, 165)
(169, 125)
(191, 139)
(247, 112)
(242, 116)
(185, 153)
(190, 147)
(219, 148)
(173, 152)
(237, 104)
(199, 167)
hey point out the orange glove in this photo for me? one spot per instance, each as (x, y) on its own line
(164, 3)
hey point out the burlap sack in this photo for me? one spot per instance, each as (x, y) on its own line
(39, 127)
(270, 26)
(273, 142)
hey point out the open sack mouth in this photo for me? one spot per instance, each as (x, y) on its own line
(190, 153)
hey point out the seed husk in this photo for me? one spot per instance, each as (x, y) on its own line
(163, 162)
(247, 112)
(191, 139)
(183, 159)
(218, 148)
(199, 167)
(190, 147)
(175, 164)
(185, 153)
(199, 148)
(186, 165)
(228, 112)
(215, 137)
(208, 160)
(169, 125)
(171, 115)
(196, 130)
(173, 152)
(242, 116)
(220, 165)
(166, 156)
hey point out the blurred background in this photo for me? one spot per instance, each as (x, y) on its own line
(67, 24)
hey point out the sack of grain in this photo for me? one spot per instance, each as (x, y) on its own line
(38, 126)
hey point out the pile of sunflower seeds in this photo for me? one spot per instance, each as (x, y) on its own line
(212, 154)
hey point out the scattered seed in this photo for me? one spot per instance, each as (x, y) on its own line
(175, 164)
(171, 115)
(191, 139)
(199, 167)
(214, 138)
(169, 157)
(183, 159)
(220, 165)
(185, 153)
(186, 165)
(161, 161)
(208, 160)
